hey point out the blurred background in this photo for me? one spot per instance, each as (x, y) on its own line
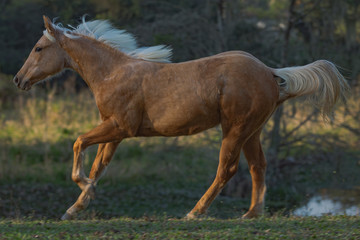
(307, 159)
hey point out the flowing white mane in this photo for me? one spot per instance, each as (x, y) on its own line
(102, 30)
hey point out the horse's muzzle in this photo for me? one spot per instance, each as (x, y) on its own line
(23, 85)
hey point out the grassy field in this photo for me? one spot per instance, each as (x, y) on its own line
(152, 183)
(170, 228)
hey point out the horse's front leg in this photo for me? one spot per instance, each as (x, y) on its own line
(102, 160)
(105, 132)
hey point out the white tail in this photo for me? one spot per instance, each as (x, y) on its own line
(320, 81)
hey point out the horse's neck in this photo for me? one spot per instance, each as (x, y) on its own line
(92, 60)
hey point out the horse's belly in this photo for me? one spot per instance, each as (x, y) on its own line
(179, 120)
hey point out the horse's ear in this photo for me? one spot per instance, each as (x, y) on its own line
(49, 26)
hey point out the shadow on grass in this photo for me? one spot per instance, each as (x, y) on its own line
(50, 201)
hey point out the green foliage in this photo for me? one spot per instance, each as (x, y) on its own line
(8, 92)
(163, 39)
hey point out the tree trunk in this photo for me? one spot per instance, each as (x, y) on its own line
(350, 24)
(221, 15)
(275, 132)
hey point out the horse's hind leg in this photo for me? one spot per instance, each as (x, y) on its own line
(257, 166)
(228, 165)
(103, 158)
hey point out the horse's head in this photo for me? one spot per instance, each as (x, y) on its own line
(46, 58)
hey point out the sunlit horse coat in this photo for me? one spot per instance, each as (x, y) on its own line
(138, 93)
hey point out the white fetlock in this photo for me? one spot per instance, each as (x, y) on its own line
(190, 216)
(90, 191)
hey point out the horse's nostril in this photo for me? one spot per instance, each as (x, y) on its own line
(16, 80)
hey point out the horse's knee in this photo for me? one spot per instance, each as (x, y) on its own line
(79, 144)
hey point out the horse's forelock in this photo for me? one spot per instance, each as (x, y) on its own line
(49, 36)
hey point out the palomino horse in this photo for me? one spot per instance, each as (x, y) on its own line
(139, 93)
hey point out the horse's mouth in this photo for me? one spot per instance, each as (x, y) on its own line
(26, 86)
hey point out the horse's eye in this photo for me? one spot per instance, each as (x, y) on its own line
(38, 49)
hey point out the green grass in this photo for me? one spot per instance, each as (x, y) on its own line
(339, 227)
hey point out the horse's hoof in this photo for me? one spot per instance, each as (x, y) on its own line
(190, 216)
(66, 216)
(250, 215)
